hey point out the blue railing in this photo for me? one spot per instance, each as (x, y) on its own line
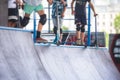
(89, 26)
(34, 29)
(14, 29)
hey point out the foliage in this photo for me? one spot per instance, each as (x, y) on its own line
(65, 28)
(107, 39)
(117, 23)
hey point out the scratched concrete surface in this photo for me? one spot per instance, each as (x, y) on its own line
(20, 59)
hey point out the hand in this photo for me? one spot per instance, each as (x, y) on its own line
(63, 2)
(73, 12)
(95, 14)
(50, 2)
(62, 15)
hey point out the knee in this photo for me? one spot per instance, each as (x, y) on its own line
(43, 19)
(78, 27)
(83, 28)
(25, 21)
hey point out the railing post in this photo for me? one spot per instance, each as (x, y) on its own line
(34, 24)
(48, 18)
(89, 25)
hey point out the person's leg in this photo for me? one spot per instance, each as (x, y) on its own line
(25, 20)
(83, 23)
(60, 25)
(55, 29)
(78, 33)
(42, 21)
(61, 35)
(78, 27)
(28, 9)
(82, 34)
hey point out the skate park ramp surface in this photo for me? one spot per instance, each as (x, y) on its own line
(20, 59)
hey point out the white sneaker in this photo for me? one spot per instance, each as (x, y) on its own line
(78, 42)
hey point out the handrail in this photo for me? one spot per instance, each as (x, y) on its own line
(14, 29)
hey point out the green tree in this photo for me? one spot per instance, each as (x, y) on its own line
(117, 23)
(65, 28)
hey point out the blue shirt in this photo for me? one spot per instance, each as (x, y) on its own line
(60, 8)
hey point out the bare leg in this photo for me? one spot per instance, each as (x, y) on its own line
(78, 34)
(61, 36)
(82, 37)
(40, 26)
(82, 34)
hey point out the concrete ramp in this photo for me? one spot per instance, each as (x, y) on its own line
(20, 59)
(75, 63)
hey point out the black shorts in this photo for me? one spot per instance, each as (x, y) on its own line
(12, 14)
(80, 14)
(80, 19)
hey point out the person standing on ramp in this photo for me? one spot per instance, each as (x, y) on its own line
(61, 6)
(80, 18)
(29, 7)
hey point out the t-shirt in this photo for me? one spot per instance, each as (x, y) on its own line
(60, 8)
(80, 7)
(33, 2)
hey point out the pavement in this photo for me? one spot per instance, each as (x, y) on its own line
(21, 59)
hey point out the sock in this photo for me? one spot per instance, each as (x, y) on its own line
(38, 34)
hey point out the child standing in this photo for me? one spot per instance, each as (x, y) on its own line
(80, 18)
(29, 7)
(61, 6)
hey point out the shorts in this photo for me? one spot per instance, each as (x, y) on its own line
(29, 8)
(80, 19)
(55, 21)
(12, 14)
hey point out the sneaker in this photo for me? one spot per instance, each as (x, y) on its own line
(78, 42)
(56, 39)
(58, 43)
(82, 43)
(55, 42)
(41, 40)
